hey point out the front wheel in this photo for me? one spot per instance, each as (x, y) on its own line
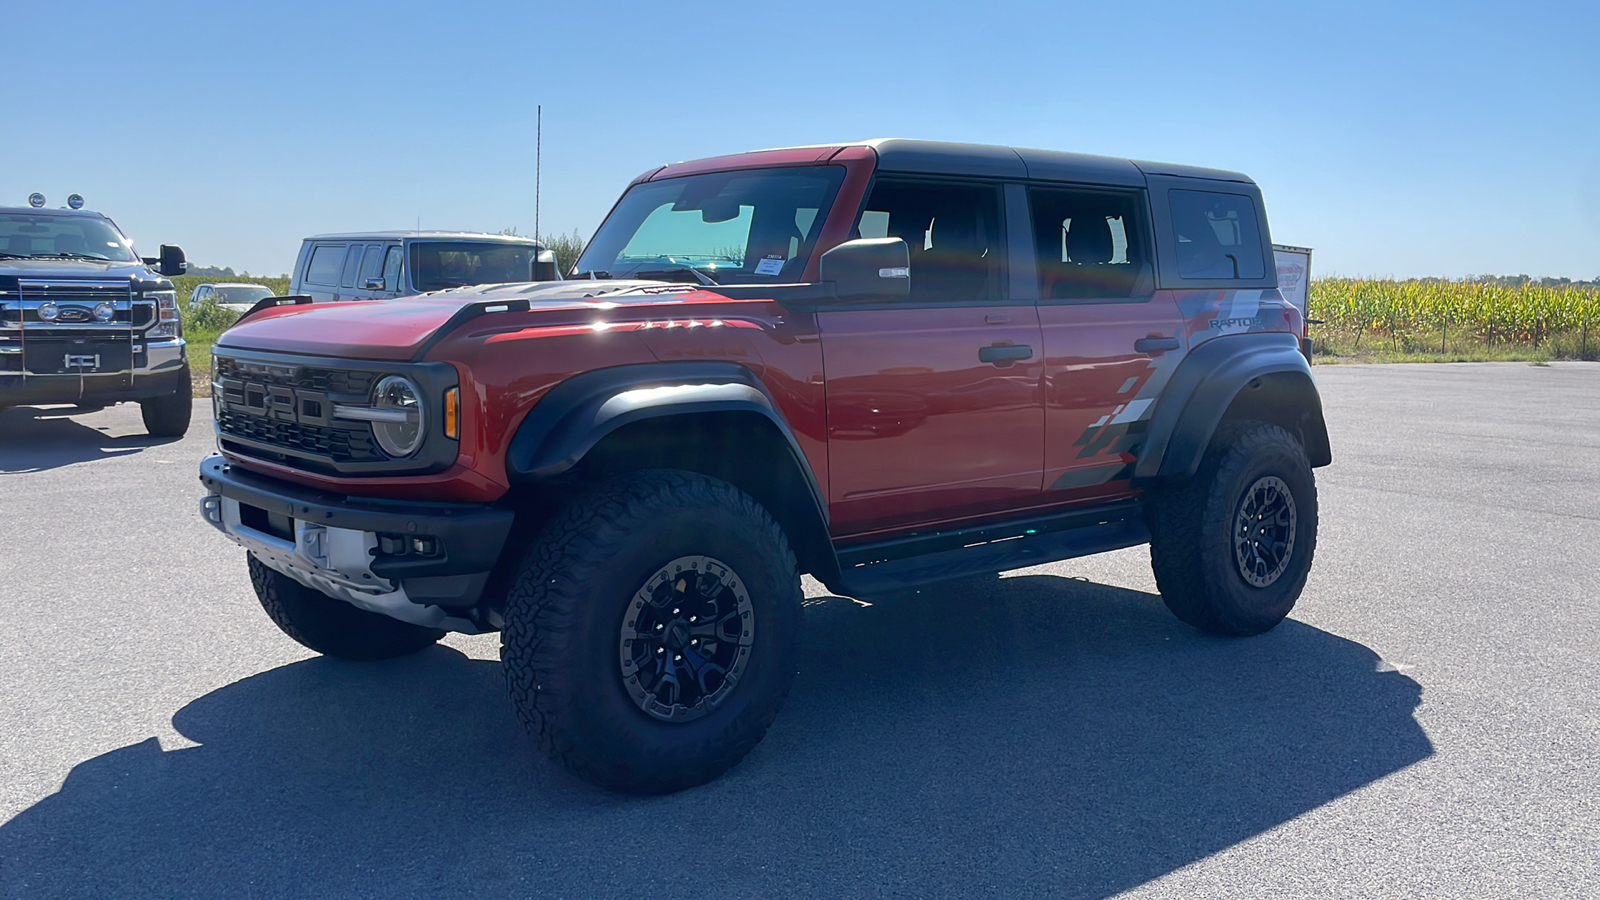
(333, 627)
(651, 632)
(168, 415)
(1232, 546)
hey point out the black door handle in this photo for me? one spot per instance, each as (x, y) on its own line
(1155, 344)
(1004, 353)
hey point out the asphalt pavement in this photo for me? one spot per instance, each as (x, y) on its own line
(1426, 723)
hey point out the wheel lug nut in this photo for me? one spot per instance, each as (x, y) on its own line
(677, 657)
(661, 627)
(674, 612)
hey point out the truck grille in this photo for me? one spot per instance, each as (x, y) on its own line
(353, 386)
(284, 412)
(334, 444)
(72, 338)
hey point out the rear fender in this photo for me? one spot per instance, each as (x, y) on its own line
(1257, 376)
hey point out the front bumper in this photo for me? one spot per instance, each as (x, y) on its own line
(424, 563)
(159, 368)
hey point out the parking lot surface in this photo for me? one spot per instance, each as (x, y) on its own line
(1426, 724)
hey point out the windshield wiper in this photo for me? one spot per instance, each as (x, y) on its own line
(71, 256)
(589, 274)
(15, 256)
(669, 267)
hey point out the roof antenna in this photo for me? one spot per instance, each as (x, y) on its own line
(538, 154)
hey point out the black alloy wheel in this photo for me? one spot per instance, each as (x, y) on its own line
(686, 638)
(1263, 538)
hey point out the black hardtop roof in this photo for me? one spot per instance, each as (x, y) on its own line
(985, 160)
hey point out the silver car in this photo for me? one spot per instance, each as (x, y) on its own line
(237, 297)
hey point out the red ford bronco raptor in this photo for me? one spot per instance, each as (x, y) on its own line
(884, 364)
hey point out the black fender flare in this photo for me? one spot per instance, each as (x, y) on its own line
(578, 413)
(1205, 386)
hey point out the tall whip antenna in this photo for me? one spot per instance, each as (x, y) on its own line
(538, 153)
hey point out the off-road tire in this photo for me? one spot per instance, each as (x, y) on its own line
(1192, 525)
(168, 415)
(333, 627)
(570, 598)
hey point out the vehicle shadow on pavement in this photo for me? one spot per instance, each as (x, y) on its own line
(1030, 735)
(34, 439)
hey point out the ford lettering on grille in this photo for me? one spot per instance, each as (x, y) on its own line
(285, 412)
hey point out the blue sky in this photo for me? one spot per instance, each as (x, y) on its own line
(1398, 139)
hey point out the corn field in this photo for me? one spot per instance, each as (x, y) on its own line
(1468, 318)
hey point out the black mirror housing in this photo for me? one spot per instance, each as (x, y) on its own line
(869, 268)
(544, 266)
(171, 261)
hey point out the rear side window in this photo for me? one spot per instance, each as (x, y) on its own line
(324, 265)
(1089, 243)
(1216, 235)
(352, 263)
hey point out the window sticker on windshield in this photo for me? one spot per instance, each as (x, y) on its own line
(770, 265)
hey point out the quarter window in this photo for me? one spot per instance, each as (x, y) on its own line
(1216, 235)
(372, 267)
(352, 264)
(953, 233)
(391, 268)
(1089, 243)
(324, 265)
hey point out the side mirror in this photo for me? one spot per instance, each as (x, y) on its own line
(877, 268)
(372, 284)
(172, 261)
(544, 266)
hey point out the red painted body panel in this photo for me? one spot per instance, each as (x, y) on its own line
(1093, 376)
(919, 427)
(386, 329)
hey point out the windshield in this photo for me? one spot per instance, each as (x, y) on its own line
(436, 265)
(747, 227)
(32, 234)
(233, 294)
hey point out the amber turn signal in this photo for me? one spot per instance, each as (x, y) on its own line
(452, 413)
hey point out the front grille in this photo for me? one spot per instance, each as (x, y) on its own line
(332, 443)
(284, 412)
(75, 302)
(352, 386)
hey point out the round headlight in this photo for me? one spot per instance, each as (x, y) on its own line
(48, 311)
(104, 312)
(399, 433)
(35, 199)
(75, 201)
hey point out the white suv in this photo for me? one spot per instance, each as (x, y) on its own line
(381, 264)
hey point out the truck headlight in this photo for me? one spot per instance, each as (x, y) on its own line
(166, 313)
(400, 431)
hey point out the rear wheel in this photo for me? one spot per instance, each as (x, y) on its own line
(1232, 546)
(651, 632)
(168, 415)
(333, 627)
